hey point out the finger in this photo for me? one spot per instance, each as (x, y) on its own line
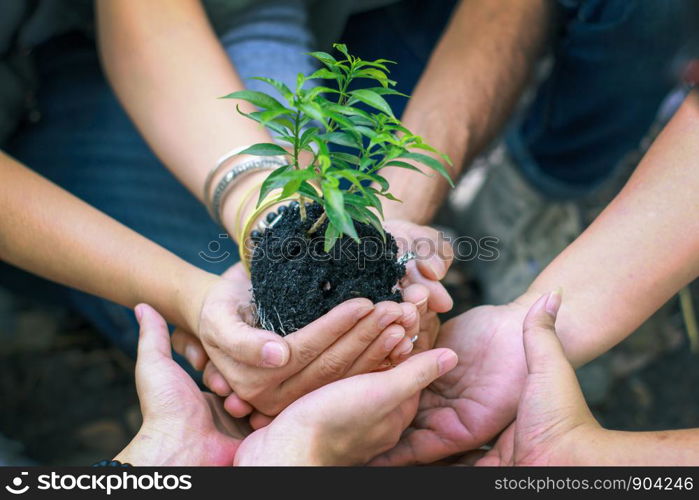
(336, 360)
(376, 354)
(237, 407)
(410, 319)
(439, 299)
(541, 345)
(413, 375)
(429, 332)
(189, 346)
(310, 341)
(435, 254)
(417, 294)
(215, 381)
(154, 337)
(259, 420)
(402, 350)
(249, 345)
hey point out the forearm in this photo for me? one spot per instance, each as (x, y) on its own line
(473, 80)
(639, 252)
(49, 232)
(680, 447)
(168, 69)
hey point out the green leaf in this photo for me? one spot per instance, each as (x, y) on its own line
(402, 164)
(323, 74)
(325, 58)
(430, 162)
(255, 115)
(310, 192)
(372, 99)
(375, 74)
(335, 208)
(259, 99)
(342, 48)
(314, 111)
(276, 179)
(264, 149)
(387, 91)
(320, 90)
(389, 196)
(331, 237)
(307, 136)
(341, 138)
(365, 215)
(279, 85)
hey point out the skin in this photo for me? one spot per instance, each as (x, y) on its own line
(343, 423)
(554, 426)
(474, 78)
(652, 220)
(148, 50)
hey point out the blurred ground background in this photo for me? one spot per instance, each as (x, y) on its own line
(68, 397)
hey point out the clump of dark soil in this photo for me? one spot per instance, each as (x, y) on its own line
(294, 281)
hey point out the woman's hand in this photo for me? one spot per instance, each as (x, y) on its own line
(181, 425)
(554, 426)
(269, 372)
(347, 422)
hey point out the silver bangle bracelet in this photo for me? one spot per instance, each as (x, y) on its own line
(219, 164)
(235, 173)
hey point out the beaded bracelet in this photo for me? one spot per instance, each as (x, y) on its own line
(111, 463)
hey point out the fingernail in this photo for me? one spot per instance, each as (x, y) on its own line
(446, 362)
(388, 318)
(437, 267)
(553, 302)
(138, 310)
(273, 355)
(393, 339)
(407, 349)
(363, 310)
(191, 353)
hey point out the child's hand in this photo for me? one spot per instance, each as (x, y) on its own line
(347, 422)
(554, 426)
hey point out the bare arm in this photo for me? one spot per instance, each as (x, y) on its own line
(638, 252)
(474, 77)
(49, 232)
(168, 69)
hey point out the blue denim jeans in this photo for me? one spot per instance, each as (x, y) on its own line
(85, 143)
(614, 61)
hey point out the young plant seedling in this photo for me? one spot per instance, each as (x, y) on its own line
(344, 183)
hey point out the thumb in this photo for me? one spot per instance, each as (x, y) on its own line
(154, 338)
(414, 374)
(542, 348)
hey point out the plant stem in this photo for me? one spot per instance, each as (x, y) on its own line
(316, 225)
(302, 200)
(302, 207)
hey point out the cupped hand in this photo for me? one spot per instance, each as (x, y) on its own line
(356, 336)
(181, 425)
(473, 403)
(347, 422)
(554, 425)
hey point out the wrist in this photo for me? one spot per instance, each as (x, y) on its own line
(193, 289)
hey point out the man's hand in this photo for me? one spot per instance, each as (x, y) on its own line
(181, 425)
(474, 402)
(347, 422)
(355, 337)
(421, 286)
